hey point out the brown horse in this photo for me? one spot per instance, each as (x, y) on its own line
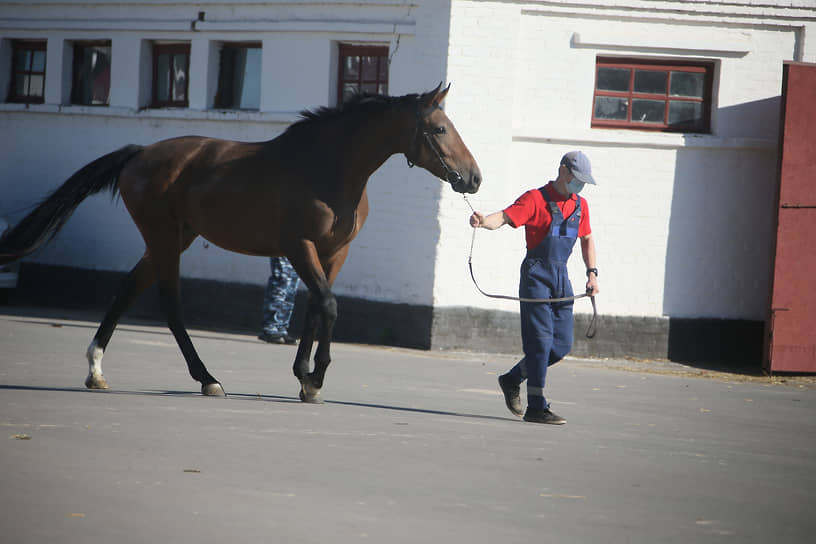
(302, 195)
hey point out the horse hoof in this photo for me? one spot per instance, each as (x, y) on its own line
(213, 390)
(311, 399)
(309, 393)
(96, 382)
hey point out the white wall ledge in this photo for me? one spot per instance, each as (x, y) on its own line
(769, 13)
(712, 46)
(280, 117)
(650, 140)
(237, 25)
(346, 27)
(228, 3)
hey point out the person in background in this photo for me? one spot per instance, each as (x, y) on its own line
(554, 217)
(279, 302)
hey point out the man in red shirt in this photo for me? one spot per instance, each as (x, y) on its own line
(554, 217)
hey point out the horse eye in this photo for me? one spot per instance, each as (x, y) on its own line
(439, 130)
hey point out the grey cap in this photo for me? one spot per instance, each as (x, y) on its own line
(578, 164)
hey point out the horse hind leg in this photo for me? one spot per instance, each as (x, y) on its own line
(140, 278)
(167, 270)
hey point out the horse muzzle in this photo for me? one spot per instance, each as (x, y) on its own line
(462, 185)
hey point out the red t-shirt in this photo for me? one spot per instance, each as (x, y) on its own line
(530, 210)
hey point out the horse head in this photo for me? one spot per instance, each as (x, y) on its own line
(438, 148)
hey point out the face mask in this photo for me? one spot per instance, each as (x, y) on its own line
(575, 186)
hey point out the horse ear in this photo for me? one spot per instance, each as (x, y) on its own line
(441, 94)
(433, 98)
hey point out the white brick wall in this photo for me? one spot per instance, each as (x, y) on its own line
(683, 224)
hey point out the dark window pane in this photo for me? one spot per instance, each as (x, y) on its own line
(383, 75)
(648, 111)
(610, 107)
(613, 79)
(235, 76)
(179, 77)
(163, 78)
(226, 79)
(382, 88)
(36, 85)
(369, 68)
(21, 86)
(100, 74)
(38, 61)
(250, 76)
(650, 81)
(349, 89)
(686, 113)
(687, 84)
(369, 88)
(351, 70)
(23, 60)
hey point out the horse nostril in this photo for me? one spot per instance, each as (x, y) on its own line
(477, 180)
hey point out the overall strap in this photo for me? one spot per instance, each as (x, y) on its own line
(555, 211)
(577, 212)
(563, 227)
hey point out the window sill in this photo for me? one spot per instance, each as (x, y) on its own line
(159, 113)
(645, 139)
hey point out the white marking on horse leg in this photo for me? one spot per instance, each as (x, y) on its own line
(95, 379)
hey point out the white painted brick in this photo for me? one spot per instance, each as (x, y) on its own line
(675, 218)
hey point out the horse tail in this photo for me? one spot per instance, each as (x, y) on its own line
(41, 225)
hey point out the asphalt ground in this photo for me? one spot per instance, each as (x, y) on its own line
(410, 446)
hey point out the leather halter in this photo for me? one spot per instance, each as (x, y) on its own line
(451, 176)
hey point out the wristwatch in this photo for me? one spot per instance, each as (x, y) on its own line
(595, 270)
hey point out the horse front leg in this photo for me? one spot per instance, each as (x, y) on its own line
(321, 315)
(328, 316)
(307, 337)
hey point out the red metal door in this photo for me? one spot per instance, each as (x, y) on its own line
(792, 318)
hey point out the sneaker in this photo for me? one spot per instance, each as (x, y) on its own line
(511, 394)
(274, 338)
(535, 415)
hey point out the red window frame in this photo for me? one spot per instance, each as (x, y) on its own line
(27, 72)
(350, 82)
(635, 64)
(171, 49)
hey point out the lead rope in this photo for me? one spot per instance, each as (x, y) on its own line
(591, 330)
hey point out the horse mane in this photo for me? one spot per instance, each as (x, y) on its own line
(357, 103)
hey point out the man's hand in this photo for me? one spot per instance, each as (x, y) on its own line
(592, 288)
(489, 222)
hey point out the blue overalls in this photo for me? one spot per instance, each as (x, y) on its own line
(546, 328)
